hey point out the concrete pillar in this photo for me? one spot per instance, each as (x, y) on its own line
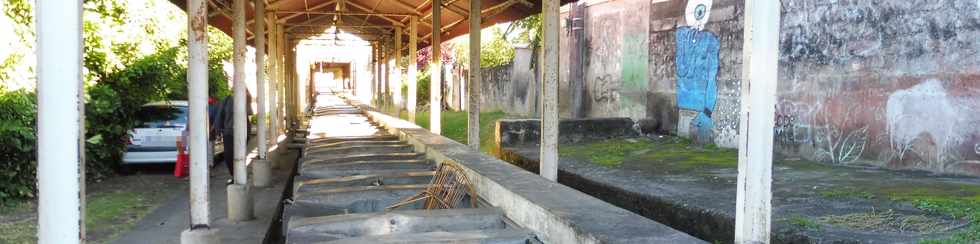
(549, 91)
(273, 79)
(280, 81)
(375, 76)
(397, 85)
(260, 167)
(760, 61)
(197, 89)
(60, 128)
(239, 201)
(413, 54)
(435, 69)
(473, 103)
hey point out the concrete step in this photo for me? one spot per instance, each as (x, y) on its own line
(353, 138)
(364, 225)
(353, 143)
(366, 165)
(345, 200)
(349, 149)
(304, 184)
(324, 174)
(342, 158)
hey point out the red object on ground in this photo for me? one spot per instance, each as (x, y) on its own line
(182, 167)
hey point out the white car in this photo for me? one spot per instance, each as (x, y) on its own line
(154, 138)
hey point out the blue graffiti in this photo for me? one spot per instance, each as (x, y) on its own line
(697, 71)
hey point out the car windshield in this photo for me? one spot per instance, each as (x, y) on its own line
(161, 117)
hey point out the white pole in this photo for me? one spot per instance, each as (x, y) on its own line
(239, 195)
(759, 76)
(397, 86)
(549, 92)
(197, 89)
(238, 35)
(260, 77)
(273, 77)
(413, 53)
(59, 122)
(261, 173)
(473, 133)
(435, 68)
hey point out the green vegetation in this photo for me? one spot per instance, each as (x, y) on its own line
(606, 153)
(495, 50)
(454, 126)
(846, 192)
(961, 202)
(885, 221)
(804, 222)
(124, 69)
(107, 215)
(678, 152)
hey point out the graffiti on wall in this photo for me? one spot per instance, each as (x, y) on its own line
(697, 71)
(925, 121)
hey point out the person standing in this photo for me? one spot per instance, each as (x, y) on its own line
(224, 124)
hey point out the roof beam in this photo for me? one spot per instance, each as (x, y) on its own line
(315, 7)
(389, 19)
(343, 13)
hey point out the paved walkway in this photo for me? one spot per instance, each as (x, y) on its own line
(165, 223)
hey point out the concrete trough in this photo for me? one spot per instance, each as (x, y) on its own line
(555, 213)
(371, 225)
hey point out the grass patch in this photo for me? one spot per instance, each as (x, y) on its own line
(846, 192)
(803, 222)
(885, 221)
(674, 150)
(960, 202)
(454, 125)
(107, 216)
(607, 153)
(683, 153)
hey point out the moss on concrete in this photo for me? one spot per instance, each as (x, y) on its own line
(608, 152)
(672, 151)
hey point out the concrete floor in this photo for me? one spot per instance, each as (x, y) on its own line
(165, 223)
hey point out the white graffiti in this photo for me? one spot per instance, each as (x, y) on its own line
(926, 111)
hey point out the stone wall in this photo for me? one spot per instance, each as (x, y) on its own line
(886, 83)
(513, 87)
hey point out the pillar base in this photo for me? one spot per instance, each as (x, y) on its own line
(261, 173)
(240, 206)
(273, 157)
(199, 236)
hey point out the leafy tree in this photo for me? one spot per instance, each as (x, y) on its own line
(495, 50)
(529, 28)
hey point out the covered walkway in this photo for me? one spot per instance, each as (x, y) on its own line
(285, 100)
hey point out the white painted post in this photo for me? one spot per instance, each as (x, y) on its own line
(473, 103)
(397, 84)
(261, 168)
(413, 54)
(273, 78)
(549, 92)
(376, 68)
(197, 90)
(60, 122)
(239, 198)
(435, 70)
(260, 77)
(760, 55)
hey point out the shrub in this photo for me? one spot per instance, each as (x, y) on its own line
(17, 144)
(110, 108)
